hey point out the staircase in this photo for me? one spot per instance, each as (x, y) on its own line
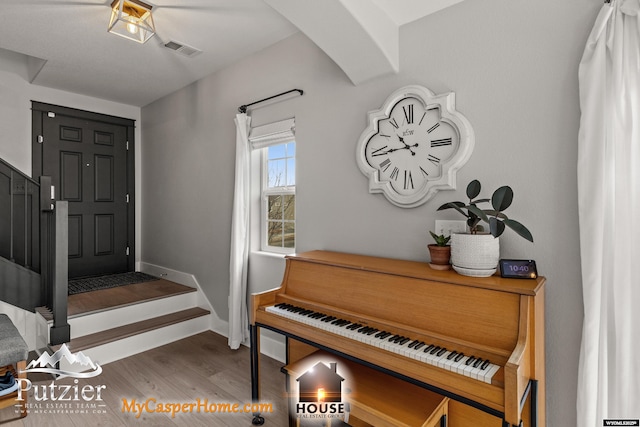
(135, 323)
(34, 277)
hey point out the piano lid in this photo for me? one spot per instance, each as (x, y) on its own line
(419, 270)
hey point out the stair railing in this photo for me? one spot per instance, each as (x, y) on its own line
(34, 235)
(19, 213)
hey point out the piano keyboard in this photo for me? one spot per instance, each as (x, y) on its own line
(434, 355)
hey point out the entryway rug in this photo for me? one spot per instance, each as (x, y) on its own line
(87, 284)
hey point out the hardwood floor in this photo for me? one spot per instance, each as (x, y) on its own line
(199, 367)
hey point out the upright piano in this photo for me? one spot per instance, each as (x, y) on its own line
(478, 341)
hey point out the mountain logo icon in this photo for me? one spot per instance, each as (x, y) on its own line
(47, 363)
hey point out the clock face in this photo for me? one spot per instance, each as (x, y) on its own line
(411, 146)
(414, 145)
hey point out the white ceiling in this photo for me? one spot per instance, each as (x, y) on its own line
(64, 44)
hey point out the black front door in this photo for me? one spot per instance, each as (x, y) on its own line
(87, 159)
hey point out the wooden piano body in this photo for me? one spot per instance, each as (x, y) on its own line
(498, 319)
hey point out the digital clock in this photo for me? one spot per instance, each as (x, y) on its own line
(518, 268)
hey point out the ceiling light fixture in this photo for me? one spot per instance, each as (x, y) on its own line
(132, 19)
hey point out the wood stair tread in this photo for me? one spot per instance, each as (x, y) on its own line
(121, 296)
(132, 329)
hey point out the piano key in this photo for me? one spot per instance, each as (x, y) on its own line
(457, 362)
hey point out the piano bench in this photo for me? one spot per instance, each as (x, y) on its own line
(13, 359)
(374, 398)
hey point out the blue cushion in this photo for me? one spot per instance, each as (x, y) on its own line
(12, 347)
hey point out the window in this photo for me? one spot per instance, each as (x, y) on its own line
(279, 197)
(275, 148)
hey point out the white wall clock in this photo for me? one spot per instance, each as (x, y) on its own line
(414, 145)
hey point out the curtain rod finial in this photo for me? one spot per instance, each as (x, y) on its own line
(242, 109)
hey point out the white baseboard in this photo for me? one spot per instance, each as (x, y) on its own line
(273, 348)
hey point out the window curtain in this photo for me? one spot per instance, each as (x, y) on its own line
(609, 213)
(239, 256)
(247, 139)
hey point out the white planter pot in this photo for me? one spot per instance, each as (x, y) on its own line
(475, 254)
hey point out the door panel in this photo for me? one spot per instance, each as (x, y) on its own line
(70, 176)
(87, 161)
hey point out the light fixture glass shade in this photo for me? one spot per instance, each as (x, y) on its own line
(132, 19)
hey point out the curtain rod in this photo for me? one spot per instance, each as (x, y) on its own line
(243, 108)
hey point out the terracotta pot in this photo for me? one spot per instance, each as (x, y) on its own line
(440, 256)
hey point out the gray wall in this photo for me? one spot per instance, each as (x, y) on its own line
(513, 65)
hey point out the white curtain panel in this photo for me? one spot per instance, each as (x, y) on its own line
(238, 266)
(609, 209)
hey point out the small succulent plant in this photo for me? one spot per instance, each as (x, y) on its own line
(440, 240)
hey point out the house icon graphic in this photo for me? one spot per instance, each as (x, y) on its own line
(321, 383)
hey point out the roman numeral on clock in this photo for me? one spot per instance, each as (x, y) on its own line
(424, 172)
(434, 127)
(408, 113)
(385, 165)
(394, 173)
(441, 142)
(408, 180)
(394, 123)
(434, 159)
(422, 118)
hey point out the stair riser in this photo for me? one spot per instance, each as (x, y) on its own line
(116, 350)
(96, 322)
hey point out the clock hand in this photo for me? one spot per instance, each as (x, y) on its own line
(384, 153)
(407, 146)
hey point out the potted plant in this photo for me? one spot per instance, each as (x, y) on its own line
(476, 253)
(440, 252)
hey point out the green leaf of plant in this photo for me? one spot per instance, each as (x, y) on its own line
(440, 240)
(502, 198)
(450, 205)
(454, 205)
(473, 189)
(478, 212)
(475, 202)
(497, 214)
(519, 228)
(496, 227)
